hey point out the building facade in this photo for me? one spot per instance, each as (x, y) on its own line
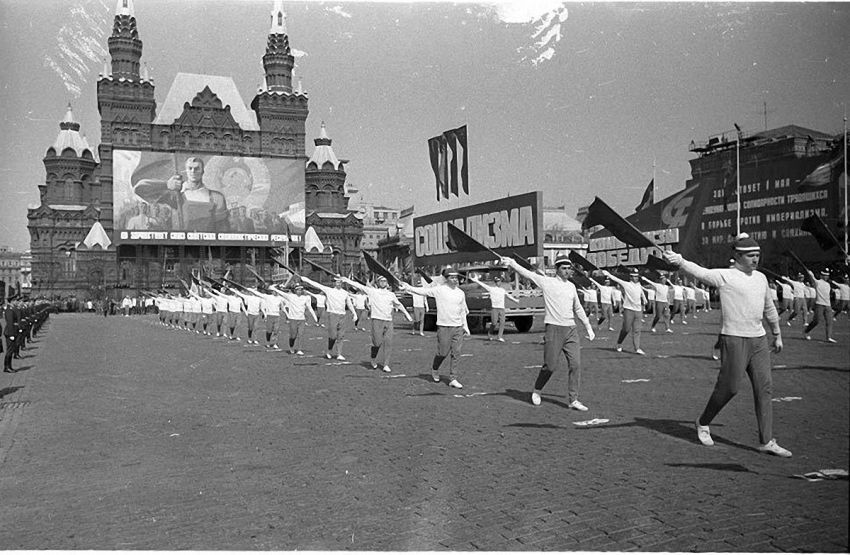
(203, 115)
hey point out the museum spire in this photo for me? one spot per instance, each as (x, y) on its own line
(125, 47)
(278, 60)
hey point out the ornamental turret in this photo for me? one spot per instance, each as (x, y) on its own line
(125, 47)
(70, 164)
(325, 178)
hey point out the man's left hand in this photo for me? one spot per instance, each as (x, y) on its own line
(777, 344)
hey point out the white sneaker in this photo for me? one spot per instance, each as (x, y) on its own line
(501, 340)
(652, 330)
(535, 398)
(436, 378)
(831, 340)
(340, 357)
(704, 435)
(275, 347)
(299, 352)
(773, 448)
(489, 338)
(577, 405)
(669, 330)
(808, 338)
(328, 356)
(374, 365)
(610, 329)
(619, 349)
(422, 334)
(387, 369)
(715, 355)
(640, 352)
(456, 384)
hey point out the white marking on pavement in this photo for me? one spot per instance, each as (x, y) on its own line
(635, 381)
(781, 399)
(534, 366)
(592, 422)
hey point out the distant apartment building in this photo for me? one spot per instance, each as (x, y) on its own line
(10, 271)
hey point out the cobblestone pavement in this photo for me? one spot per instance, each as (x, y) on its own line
(120, 434)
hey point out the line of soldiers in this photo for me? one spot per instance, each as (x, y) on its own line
(19, 324)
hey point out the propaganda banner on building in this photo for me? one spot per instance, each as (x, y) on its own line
(194, 198)
(511, 225)
(701, 220)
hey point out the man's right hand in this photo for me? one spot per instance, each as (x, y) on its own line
(175, 183)
(673, 258)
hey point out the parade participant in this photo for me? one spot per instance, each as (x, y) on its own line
(787, 297)
(420, 307)
(359, 301)
(321, 307)
(774, 294)
(823, 309)
(811, 296)
(338, 301)
(745, 302)
(662, 305)
(842, 297)
(196, 311)
(297, 305)
(126, 303)
(251, 307)
(606, 295)
(561, 340)
(633, 303)
(650, 300)
(497, 294)
(799, 289)
(220, 303)
(617, 300)
(591, 308)
(271, 306)
(451, 323)
(207, 310)
(382, 301)
(690, 300)
(678, 297)
(234, 310)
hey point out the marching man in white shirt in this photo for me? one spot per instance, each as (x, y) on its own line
(420, 307)
(561, 340)
(451, 324)
(382, 301)
(338, 300)
(297, 307)
(497, 307)
(745, 301)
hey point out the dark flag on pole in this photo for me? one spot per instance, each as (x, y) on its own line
(817, 227)
(579, 260)
(457, 240)
(525, 263)
(648, 197)
(447, 178)
(376, 268)
(659, 264)
(599, 213)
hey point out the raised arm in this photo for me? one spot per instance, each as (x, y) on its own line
(613, 278)
(527, 274)
(316, 284)
(355, 284)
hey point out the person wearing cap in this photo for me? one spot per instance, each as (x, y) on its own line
(606, 295)
(633, 303)
(842, 297)
(745, 302)
(297, 306)
(561, 340)
(10, 321)
(338, 301)
(451, 323)
(662, 303)
(382, 301)
(823, 309)
(799, 289)
(420, 307)
(359, 301)
(497, 294)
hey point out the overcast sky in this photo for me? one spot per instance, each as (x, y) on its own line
(574, 100)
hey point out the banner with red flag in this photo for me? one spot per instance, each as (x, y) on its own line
(581, 261)
(648, 197)
(457, 240)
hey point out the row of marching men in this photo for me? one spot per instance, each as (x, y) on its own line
(217, 309)
(20, 322)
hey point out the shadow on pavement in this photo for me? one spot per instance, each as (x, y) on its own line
(679, 429)
(729, 467)
(9, 390)
(695, 357)
(22, 368)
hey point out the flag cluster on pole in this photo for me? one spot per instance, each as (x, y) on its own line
(446, 169)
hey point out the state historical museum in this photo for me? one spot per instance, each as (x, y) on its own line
(201, 182)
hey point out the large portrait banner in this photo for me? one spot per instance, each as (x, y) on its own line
(186, 197)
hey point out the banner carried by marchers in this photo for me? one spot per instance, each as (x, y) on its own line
(450, 177)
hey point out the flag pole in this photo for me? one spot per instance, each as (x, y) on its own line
(846, 188)
(653, 175)
(738, 176)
